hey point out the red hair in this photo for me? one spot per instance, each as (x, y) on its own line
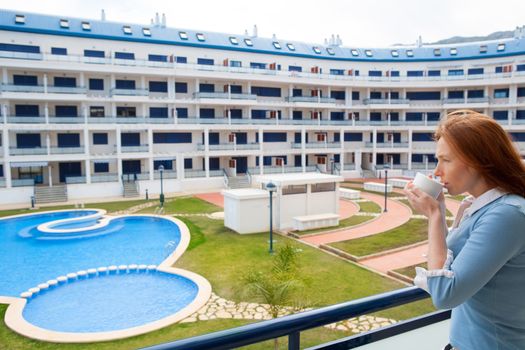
(483, 145)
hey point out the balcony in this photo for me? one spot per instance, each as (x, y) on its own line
(22, 182)
(391, 144)
(23, 88)
(104, 178)
(75, 180)
(310, 99)
(129, 92)
(2, 182)
(429, 166)
(216, 120)
(166, 174)
(27, 151)
(229, 146)
(66, 120)
(349, 167)
(134, 149)
(310, 145)
(478, 100)
(190, 173)
(67, 150)
(383, 101)
(26, 120)
(66, 90)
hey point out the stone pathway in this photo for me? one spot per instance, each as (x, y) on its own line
(218, 307)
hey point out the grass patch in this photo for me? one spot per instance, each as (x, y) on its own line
(406, 202)
(196, 235)
(369, 207)
(410, 271)
(185, 205)
(411, 232)
(348, 222)
(458, 197)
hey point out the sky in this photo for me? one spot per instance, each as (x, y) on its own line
(361, 23)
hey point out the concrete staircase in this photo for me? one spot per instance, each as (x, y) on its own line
(242, 181)
(130, 189)
(46, 194)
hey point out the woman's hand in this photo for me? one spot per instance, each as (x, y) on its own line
(423, 203)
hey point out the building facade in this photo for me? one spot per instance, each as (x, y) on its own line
(92, 105)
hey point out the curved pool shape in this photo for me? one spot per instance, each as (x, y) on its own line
(97, 278)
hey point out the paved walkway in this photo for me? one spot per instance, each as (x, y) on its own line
(397, 215)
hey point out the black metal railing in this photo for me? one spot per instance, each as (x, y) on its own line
(292, 325)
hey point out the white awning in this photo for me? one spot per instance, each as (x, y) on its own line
(27, 164)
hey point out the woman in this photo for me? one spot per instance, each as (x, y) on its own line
(478, 268)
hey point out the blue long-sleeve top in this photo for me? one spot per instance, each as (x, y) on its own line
(483, 279)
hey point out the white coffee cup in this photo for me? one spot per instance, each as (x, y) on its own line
(428, 185)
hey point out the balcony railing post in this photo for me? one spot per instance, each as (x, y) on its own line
(294, 341)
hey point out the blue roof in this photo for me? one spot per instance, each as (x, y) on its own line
(47, 24)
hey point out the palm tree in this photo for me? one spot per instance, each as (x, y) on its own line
(280, 287)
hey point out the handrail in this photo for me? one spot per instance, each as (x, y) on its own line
(249, 176)
(226, 178)
(292, 325)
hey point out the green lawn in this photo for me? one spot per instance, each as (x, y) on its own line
(223, 257)
(354, 186)
(369, 207)
(410, 271)
(185, 205)
(413, 231)
(406, 202)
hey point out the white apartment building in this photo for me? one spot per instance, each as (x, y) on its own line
(92, 106)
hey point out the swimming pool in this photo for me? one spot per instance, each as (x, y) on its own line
(94, 278)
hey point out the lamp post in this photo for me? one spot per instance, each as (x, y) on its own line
(386, 167)
(161, 198)
(332, 165)
(271, 188)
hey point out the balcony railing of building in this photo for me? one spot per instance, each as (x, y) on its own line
(428, 166)
(291, 326)
(224, 95)
(129, 92)
(2, 182)
(130, 149)
(190, 173)
(229, 146)
(66, 89)
(104, 178)
(27, 151)
(349, 167)
(167, 174)
(388, 144)
(381, 101)
(311, 99)
(66, 150)
(309, 145)
(22, 182)
(75, 180)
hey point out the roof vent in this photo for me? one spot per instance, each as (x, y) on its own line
(102, 15)
(163, 24)
(255, 31)
(419, 41)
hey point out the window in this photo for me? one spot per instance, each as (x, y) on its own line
(183, 35)
(94, 53)
(375, 73)
(206, 88)
(291, 47)
(58, 51)
(235, 63)
(520, 67)
(125, 55)
(99, 167)
(455, 72)
(410, 53)
(100, 138)
(96, 84)
(86, 26)
(501, 93)
(474, 71)
(434, 73)
(96, 111)
(130, 139)
(146, 31)
(456, 94)
(167, 164)
(20, 19)
(293, 189)
(188, 163)
(354, 52)
(316, 50)
(323, 187)
(422, 137)
(414, 73)
(27, 80)
(337, 72)
(437, 52)
(501, 47)
(127, 30)
(66, 111)
(338, 95)
(394, 73)
(266, 91)
(182, 112)
(125, 84)
(181, 59)
(158, 112)
(205, 61)
(65, 81)
(274, 137)
(475, 93)
(207, 113)
(257, 65)
(330, 51)
(158, 58)
(26, 111)
(500, 115)
(394, 53)
(483, 49)
(276, 45)
(234, 40)
(158, 86)
(181, 87)
(172, 137)
(248, 42)
(200, 36)
(368, 53)
(20, 48)
(28, 141)
(423, 95)
(295, 69)
(125, 112)
(453, 51)
(64, 23)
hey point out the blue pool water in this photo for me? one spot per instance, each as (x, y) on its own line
(110, 302)
(29, 257)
